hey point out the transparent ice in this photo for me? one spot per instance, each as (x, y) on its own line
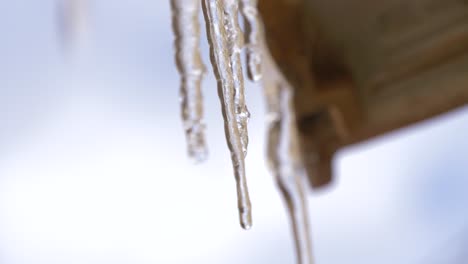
(235, 42)
(253, 35)
(225, 39)
(283, 155)
(191, 68)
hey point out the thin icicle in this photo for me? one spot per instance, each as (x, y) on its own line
(284, 158)
(290, 176)
(191, 68)
(252, 25)
(222, 47)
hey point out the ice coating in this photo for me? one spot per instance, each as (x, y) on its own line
(191, 68)
(289, 173)
(284, 157)
(235, 42)
(226, 42)
(224, 39)
(252, 24)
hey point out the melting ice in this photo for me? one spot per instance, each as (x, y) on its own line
(283, 155)
(226, 41)
(191, 68)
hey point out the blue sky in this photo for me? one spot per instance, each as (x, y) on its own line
(93, 166)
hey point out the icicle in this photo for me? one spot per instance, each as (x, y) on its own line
(224, 38)
(226, 41)
(191, 68)
(252, 25)
(283, 155)
(290, 174)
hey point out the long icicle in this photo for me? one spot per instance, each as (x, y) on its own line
(221, 57)
(284, 157)
(252, 27)
(191, 68)
(291, 176)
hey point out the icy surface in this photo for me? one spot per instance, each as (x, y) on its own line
(284, 157)
(252, 25)
(225, 41)
(235, 42)
(191, 68)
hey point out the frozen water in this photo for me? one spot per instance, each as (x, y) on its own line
(191, 68)
(235, 42)
(283, 155)
(225, 42)
(252, 25)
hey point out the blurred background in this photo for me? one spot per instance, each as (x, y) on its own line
(93, 166)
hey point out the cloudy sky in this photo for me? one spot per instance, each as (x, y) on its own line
(93, 166)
